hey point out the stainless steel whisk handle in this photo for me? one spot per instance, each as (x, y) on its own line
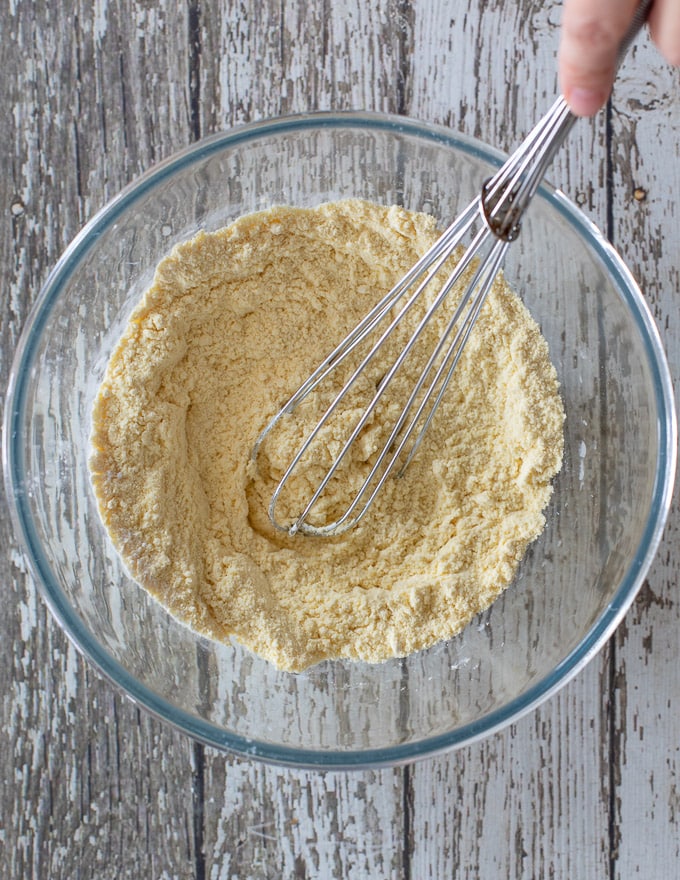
(506, 196)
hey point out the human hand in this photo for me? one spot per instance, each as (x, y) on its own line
(592, 31)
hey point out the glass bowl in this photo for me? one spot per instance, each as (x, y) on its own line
(603, 524)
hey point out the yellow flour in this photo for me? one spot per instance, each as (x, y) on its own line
(232, 324)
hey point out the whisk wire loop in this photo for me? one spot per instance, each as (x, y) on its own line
(346, 521)
(429, 266)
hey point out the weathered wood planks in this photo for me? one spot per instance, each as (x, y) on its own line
(584, 787)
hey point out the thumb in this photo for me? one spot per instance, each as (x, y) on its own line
(592, 31)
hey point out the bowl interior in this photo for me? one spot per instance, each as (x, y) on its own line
(578, 578)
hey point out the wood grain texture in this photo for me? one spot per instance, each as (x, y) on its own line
(646, 649)
(528, 802)
(586, 786)
(89, 787)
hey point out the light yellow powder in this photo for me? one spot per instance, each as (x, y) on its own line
(233, 323)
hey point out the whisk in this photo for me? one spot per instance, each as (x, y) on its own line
(490, 223)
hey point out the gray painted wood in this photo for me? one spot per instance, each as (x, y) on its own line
(586, 786)
(646, 648)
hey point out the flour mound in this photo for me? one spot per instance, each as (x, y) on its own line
(234, 321)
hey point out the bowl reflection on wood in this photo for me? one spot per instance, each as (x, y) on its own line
(603, 523)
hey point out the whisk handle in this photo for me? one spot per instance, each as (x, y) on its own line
(506, 196)
(634, 28)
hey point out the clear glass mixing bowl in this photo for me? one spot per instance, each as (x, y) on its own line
(603, 524)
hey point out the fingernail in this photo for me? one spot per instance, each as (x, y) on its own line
(585, 102)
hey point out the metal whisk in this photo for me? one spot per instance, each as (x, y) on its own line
(490, 223)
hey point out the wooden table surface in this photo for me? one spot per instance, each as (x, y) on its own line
(587, 786)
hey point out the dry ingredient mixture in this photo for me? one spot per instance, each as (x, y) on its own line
(231, 325)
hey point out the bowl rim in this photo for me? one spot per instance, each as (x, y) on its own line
(316, 758)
